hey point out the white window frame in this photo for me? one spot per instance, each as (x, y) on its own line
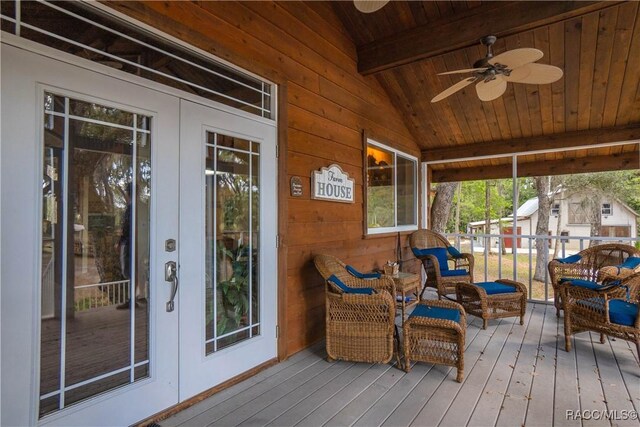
(396, 228)
(610, 209)
(555, 209)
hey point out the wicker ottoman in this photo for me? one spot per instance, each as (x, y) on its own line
(493, 300)
(435, 333)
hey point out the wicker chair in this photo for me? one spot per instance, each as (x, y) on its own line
(610, 310)
(588, 265)
(439, 276)
(359, 327)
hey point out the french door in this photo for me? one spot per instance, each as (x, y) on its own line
(228, 233)
(111, 184)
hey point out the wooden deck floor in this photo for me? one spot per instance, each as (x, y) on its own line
(514, 375)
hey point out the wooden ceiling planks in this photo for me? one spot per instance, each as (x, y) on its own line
(597, 44)
(622, 42)
(629, 105)
(604, 50)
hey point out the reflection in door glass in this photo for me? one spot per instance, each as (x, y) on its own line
(232, 215)
(96, 193)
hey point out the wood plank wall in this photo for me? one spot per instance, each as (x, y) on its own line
(303, 46)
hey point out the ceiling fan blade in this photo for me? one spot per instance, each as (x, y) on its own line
(488, 91)
(537, 74)
(468, 70)
(369, 6)
(517, 57)
(453, 89)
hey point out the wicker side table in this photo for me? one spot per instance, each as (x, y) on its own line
(408, 289)
(478, 302)
(435, 339)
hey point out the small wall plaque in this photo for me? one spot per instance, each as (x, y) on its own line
(296, 186)
(333, 184)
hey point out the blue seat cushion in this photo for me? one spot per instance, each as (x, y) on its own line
(493, 288)
(632, 262)
(621, 312)
(439, 253)
(348, 289)
(356, 273)
(423, 310)
(454, 252)
(450, 273)
(570, 259)
(589, 284)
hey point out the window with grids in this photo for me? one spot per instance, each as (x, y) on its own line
(84, 30)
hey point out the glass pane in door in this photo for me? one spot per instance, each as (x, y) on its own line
(232, 235)
(96, 193)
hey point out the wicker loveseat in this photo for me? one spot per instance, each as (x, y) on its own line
(360, 313)
(436, 253)
(609, 309)
(590, 264)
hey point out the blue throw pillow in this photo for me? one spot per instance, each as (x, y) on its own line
(356, 273)
(347, 289)
(424, 310)
(451, 273)
(589, 284)
(439, 253)
(631, 263)
(570, 259)
(493, 288)
(454, 252)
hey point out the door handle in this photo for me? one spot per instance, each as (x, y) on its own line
(171, 275)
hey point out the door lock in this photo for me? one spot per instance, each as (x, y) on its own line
(171, 275)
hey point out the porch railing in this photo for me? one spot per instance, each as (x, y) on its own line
(499, 258)
(101, 294)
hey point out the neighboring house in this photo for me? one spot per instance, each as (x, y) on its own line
(618, 220)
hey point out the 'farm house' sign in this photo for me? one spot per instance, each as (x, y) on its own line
(332, 184)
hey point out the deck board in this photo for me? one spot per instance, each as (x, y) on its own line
(591, 393)
(516, 400)
(514, 375)
(542, 388)
(488, 407)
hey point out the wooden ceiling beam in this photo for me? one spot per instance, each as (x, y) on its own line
(621, 161)
(464, 30)
(567, 140)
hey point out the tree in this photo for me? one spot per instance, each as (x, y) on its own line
(543, 188)
(441, 207)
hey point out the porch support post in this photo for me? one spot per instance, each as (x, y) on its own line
(514, 228)
(426, 169)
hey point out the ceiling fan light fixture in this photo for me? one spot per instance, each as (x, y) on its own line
(493, 72)
(369, 6)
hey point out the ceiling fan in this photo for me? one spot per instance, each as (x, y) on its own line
(369, 6)
(493, 72)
